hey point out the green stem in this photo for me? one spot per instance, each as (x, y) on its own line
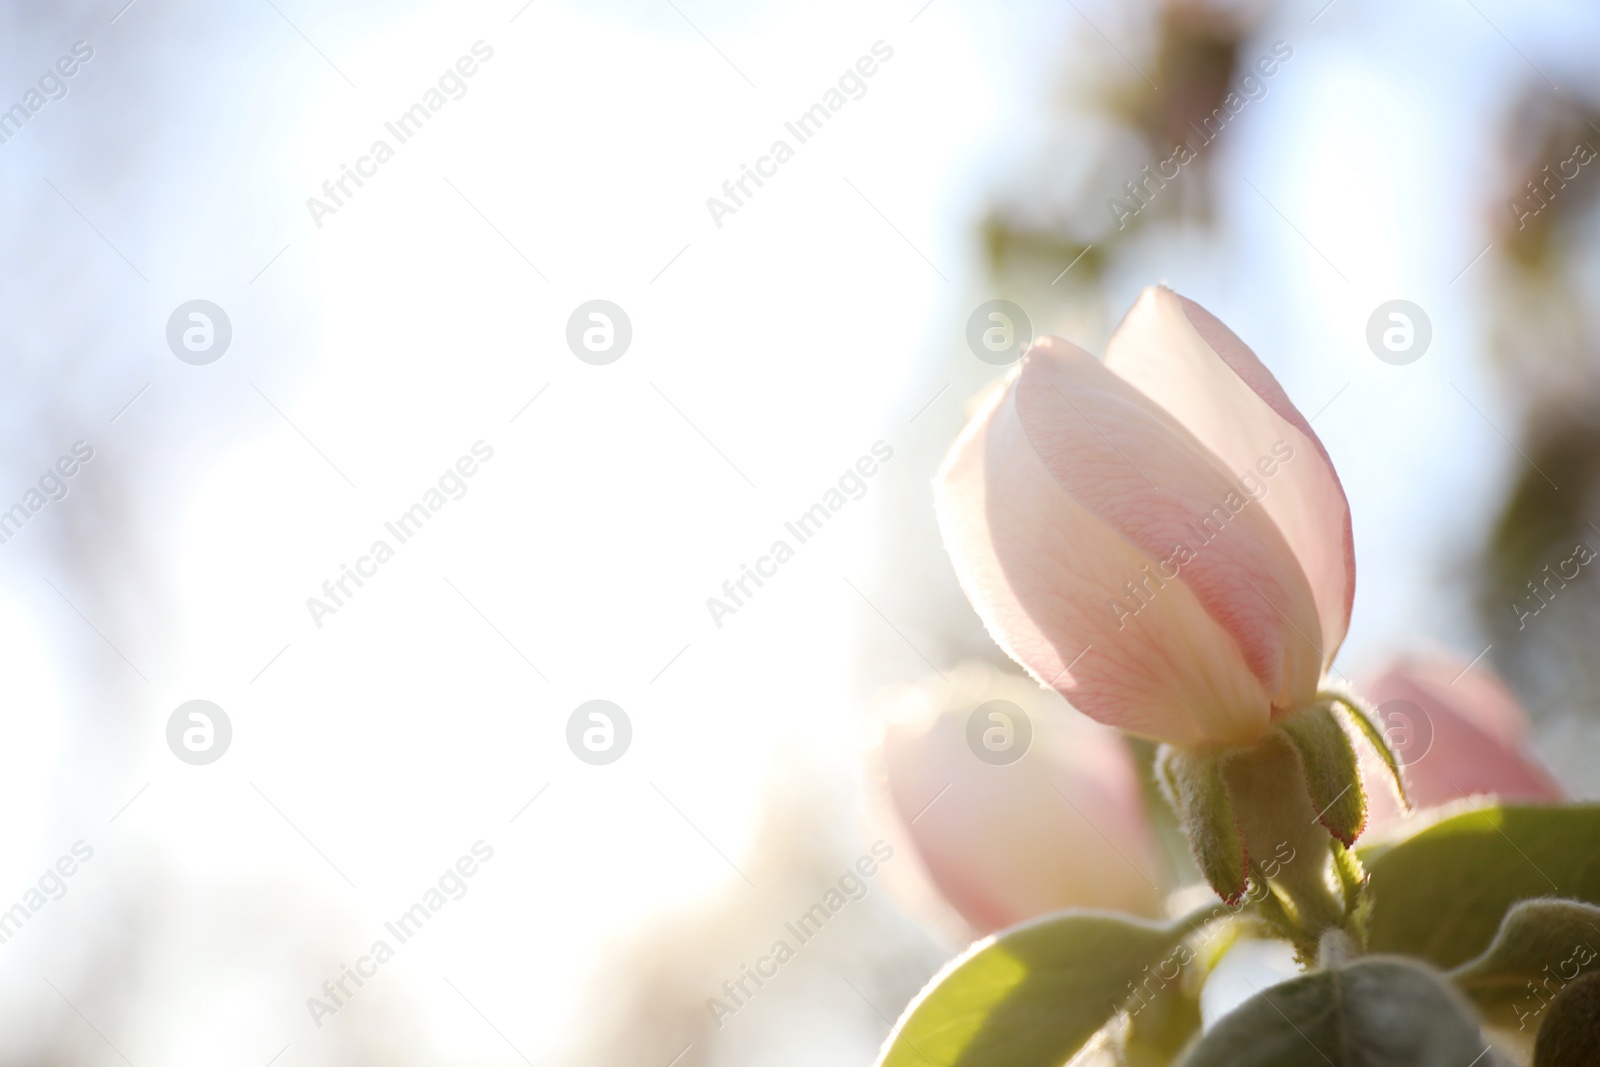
(1354, 883)
(1304, 911)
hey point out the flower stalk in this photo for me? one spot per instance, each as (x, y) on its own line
(1277, 818)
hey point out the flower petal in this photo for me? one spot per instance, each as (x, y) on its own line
(1474, 735)
(1064, 826)
(1196, 368)
(1135, 468)
(1477, 727)
(1042, 571)
(1475, 694)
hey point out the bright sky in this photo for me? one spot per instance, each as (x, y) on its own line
(767, 355)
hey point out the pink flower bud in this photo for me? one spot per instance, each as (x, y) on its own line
(1161, 537)
(1457, 733)
(1016, 804)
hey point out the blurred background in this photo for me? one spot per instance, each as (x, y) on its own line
(415, 323)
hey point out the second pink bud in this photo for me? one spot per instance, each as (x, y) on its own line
(1016, 804)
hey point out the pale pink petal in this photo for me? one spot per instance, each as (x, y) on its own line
(1474, 693)
(1063, 827)
(1476, 745)
(1178, 354)
(1044, 573)
(1478, 731)
(1134, 467)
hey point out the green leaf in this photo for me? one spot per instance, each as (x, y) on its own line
(1160, 1029)
(1442, 893)
(1541, 946)
(1570, 1033)
(1374, 1013)
(1031, 996)
(1332, 779)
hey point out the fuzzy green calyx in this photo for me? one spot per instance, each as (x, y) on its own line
(1193, 782)
(1333, 780)
(1276, 819)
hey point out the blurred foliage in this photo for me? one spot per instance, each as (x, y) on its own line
(1196, 58)
(1198, 53)
(1545, 513)
(1543, 339)
(1570, 1037)
(1543, 207)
